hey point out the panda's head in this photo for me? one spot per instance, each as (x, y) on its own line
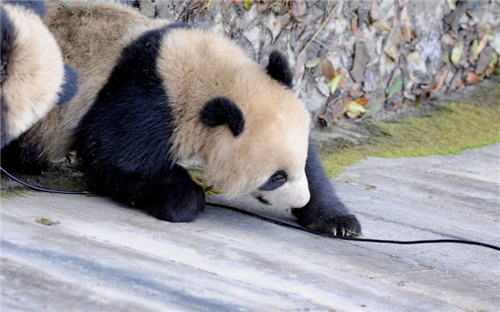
(33, 76)
(261, 133)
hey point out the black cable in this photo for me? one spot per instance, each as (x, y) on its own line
(292, 226)
(41, 189)
(357, 239)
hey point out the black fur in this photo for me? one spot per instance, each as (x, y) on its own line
(6, 33)
(279, 69)
(124, 140)
(70, 86)
(220, 111)
(276, 180)
(324, 212)
(36, 6)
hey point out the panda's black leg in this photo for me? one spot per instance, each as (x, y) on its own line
(175, 197)
(324, 212)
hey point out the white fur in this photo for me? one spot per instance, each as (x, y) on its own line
(292, 194)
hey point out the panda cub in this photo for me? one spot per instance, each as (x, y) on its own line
(32, 75)
(153, 94)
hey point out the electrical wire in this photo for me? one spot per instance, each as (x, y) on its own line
(41, 189)
(357, 239)
(285, 224)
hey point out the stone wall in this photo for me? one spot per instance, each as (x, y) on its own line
(359, 57)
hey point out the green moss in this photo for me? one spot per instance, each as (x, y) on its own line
(450, 130)
(14, 192)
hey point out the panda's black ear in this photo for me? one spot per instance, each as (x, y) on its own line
(36, 6)
(220, 111)
(279, 69)
(70, 86)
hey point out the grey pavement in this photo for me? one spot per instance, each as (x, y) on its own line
(97, 255)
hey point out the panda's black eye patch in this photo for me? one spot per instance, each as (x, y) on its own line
(276, 180)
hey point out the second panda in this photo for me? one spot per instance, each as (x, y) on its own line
(153, 94)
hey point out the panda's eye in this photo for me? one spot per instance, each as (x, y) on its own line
(276, 180)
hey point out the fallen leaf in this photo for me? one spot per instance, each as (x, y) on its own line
(440, 82)
(46, 221)
(334, 83)
(405, 28)
(361, 59)
(484, 60)
(392, 52)
(248, 4)
(396, 87)
(414, 57)
(482, 45)
(362, 101)
(457, 52)
(397, 106)
(496, 43)
(474, 49)
(333, 112)
(492, 65)
(451, 4)
(473, 78)
(313, 63)
(323, 120)
(343, 81)
(448, 39)
(457, 81)
(355, 108)
(356, 90)
(298, 8)
(374, 11)
(355, 28)
(327, 69)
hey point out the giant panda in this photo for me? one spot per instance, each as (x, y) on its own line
(32, 75)
(154, 93)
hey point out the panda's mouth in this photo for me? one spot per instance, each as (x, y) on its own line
(263, 200)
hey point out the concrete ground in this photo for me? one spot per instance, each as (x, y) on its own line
(82, 253)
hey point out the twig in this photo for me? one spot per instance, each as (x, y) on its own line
(313, 38)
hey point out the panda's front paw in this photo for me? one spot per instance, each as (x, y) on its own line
(324, 222)
(343, 225)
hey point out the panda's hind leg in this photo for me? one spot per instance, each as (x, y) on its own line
(174, 198)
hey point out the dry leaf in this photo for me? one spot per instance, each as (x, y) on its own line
(355, 28)
(482, 44)
(397, 106)
(414, 57)
(492, 65)
(392, 52)
(361, 59)
(333, 112)
(440, 82)
(374, 11)
(406, 30)
(342, 82)
(299, 8)
(473, 78)
(362, 101)
(448, 39)
(327, 69)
